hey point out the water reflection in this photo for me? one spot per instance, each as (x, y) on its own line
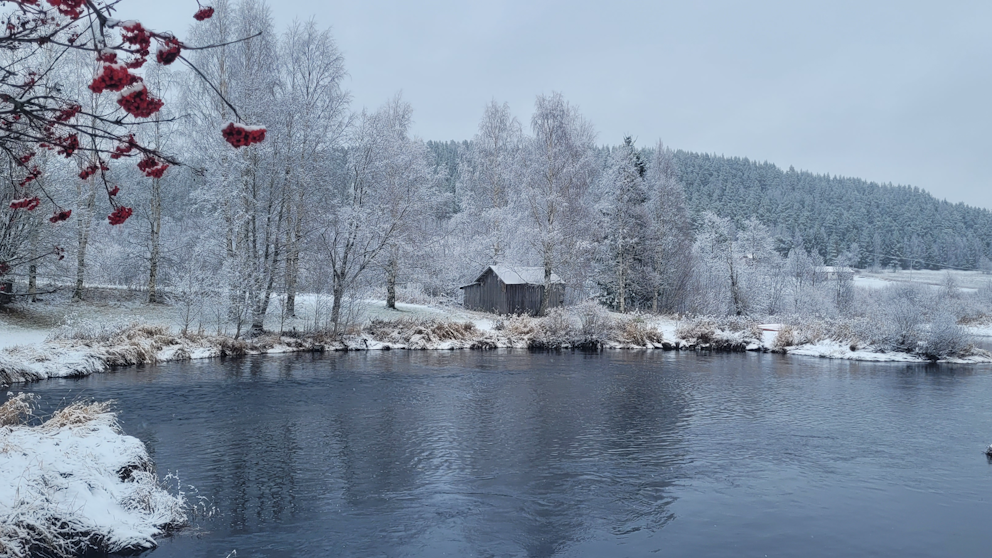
(519, 454)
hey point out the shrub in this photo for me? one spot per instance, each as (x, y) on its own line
(595, 322)
(555, 330)
(786, 337)
(944, 338)
(698, 330)
(636, 331)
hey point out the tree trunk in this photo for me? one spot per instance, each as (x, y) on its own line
(622, 287)
(546, 294)
(292, 270)
(338, 291)
(33, 282)
(33, 268)
(156, 230)
(392, 271)
(83, 238)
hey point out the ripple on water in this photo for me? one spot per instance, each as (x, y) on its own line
(519, 454)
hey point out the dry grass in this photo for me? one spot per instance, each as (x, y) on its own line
(78, 413)
(420, 330)
(518, 325)
(699, 330)
(17, 410)
(786, 337)
(636, 331)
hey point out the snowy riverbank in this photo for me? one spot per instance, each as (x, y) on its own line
(75, 484)
(582, 328)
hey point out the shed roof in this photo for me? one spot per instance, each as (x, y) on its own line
(519, 275)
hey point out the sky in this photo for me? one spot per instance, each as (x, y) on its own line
(890, 91)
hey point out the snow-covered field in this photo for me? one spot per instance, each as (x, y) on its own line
(966, 281)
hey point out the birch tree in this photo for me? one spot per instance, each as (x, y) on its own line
(315, 117)
(492, 173)
(245, 188)
(366, 212)
(560, 171)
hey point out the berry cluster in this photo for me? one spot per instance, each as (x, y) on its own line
(203, 13)
(60, 216)
(243, 136)
(92, 169)
(137, 36)
(152, 167)
(113, 78)
(69, 8)
(26, 203)
(137, 101)
(169, 52)
(124, 148)
(119, 215)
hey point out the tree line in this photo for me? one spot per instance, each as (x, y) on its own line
(349, 203)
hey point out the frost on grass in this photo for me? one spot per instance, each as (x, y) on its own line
(76, 484)
(723, 334)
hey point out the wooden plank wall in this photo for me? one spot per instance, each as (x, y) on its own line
(491, 295)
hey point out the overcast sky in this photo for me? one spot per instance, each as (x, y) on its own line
(894, 91)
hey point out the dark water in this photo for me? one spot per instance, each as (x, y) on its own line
(518, 454)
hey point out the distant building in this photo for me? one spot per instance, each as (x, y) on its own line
(508, 289)
(837, 272)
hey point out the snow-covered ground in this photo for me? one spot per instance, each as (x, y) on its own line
(966, 281)
(76, 483)
(34, 344)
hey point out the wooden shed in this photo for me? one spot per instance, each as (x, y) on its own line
(508, 289)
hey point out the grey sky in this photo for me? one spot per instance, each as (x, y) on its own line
(887, 91)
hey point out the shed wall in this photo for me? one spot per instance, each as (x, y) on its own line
(492, 295)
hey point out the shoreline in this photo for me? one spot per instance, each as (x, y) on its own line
(149, 345)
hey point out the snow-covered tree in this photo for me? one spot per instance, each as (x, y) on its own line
(246, 187)
(43, 105)
(491, 175)
(559, 174)
(669, 255)
(622, 231)
(313, 119)
(368, 209)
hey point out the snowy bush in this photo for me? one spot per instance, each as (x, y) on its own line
(556, 330)
(729, 333)
(75, 328)
(786, 337)
(634, 330)
(595, 322)
(76, 484)
(943, 338)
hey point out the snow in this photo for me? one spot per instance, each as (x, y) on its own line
(131, 89)
(77, 475)
(871, 282)
(966, 281)
(833, 349)
(518, 275)
(11, 336)
(25, 355)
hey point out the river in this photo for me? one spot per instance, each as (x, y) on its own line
(504, 453)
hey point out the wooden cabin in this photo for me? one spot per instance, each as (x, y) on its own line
(509, 289)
